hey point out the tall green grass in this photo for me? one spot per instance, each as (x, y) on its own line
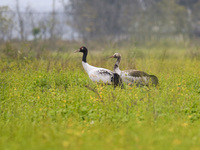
(48, 102)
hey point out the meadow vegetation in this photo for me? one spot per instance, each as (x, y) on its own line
(47, 101)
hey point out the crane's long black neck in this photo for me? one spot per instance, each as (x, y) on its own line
(117, 63)
(84, 56)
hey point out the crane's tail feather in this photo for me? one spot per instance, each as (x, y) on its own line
(154, 80)
(117, 80)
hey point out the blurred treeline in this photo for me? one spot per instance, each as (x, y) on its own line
(104, 20)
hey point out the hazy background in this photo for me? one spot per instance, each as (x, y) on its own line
(105, 20)
(37, 5)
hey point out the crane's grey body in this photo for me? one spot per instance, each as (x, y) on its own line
(134, 76)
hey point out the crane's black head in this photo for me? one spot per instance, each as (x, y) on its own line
(84, 50)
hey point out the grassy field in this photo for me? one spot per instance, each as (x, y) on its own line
(48, 102)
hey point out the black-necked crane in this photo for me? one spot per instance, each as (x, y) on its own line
(97, 74)
(134, 76)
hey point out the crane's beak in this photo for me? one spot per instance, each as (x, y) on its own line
(76, 51)
(111, 57)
